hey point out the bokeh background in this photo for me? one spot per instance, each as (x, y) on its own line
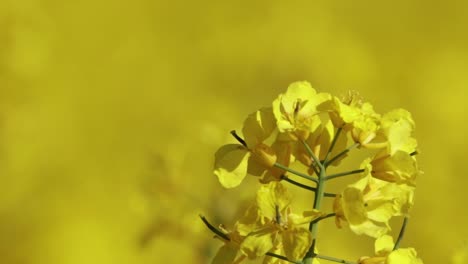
(110, 112)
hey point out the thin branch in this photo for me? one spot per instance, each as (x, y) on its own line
(300, 174)
(281, 257)
(402, 233)
(214, 229)
(306, 187)
(343, 174)
(334, 259)
(298, 184)
(322, 217)
(330, 194)
(314, 158)
(339, 155)
(335, 139)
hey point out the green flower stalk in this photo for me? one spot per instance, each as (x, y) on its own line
(303, 126)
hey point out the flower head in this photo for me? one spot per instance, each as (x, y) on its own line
(296, 111)
(272, 226)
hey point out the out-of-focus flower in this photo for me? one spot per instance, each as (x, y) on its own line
(368, 204)
(384, 253)
(461, 255)
(234, 161)
(274, 227)
(296, 111)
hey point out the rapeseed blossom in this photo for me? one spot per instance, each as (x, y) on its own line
(368, 204)
(311, 128)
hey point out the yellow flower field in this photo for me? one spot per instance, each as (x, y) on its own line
(111, 113)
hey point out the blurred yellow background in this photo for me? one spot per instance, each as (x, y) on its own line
(110, 113)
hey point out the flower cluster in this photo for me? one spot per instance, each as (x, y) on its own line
(318, 130)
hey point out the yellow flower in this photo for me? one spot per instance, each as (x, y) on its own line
(400, 167)
(296, 111)
(358, 118)
(386, 255)
(368, 204)
(397, 127)
(234, 161)
(275, 227)
(229, 252)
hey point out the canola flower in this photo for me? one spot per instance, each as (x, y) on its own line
(313, 129)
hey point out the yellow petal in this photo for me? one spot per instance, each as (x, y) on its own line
(348, 113)
(231, 164)
(258, 126)
(400, 167)
(254, 168)
(383, 245)
(272, 199)
(226, 254)
(404, 256)
(264, 155)
(249, 222)
(272, 260)
(296, 242)
(353, 206)
(256, 244)
(297, 108)
(401, 196)
(398, 126)
(380, 210)
(306, 217)
(370, 228)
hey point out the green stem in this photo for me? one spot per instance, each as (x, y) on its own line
(314, 158)
(313, 226)
(334, 259)
(337, 134)
(402, 233)
(323, 217)
(214, 229)
(298, 184)
(281, 257)
(343, 174)
(300, 174)
(306, 187)
(339, 155)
